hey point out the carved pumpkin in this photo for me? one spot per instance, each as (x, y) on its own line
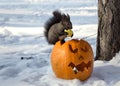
(72, 59)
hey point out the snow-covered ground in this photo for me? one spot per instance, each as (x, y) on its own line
(25, 54)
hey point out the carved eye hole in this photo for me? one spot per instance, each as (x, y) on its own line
(84, 49)
(73, 50)
(81, 58)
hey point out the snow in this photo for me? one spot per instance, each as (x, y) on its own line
(25, 53)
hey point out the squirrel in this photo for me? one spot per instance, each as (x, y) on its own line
(55, 27)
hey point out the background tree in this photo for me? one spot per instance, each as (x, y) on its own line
(108, 39)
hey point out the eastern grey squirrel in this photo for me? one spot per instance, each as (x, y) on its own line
(55, 27)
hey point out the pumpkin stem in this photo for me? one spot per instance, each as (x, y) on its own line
(62, 42)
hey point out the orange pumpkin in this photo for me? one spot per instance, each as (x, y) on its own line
(72, 59)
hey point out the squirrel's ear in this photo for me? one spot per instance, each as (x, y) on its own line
(68, 16)
(63, 18)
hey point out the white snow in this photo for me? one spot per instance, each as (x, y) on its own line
(25, 53)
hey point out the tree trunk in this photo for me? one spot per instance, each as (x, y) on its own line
(108, 39)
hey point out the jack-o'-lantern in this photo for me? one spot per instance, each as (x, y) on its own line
(72, 59)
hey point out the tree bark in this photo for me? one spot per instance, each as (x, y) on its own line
(108, 38)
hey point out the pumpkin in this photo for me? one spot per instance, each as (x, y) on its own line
(72, 59)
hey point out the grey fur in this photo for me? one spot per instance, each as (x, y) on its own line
(55, 26)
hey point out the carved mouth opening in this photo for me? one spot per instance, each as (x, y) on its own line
(80, 67)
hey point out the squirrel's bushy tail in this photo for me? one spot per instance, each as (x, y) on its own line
(57, 16)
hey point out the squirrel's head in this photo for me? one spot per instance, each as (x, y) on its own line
(66, 21)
